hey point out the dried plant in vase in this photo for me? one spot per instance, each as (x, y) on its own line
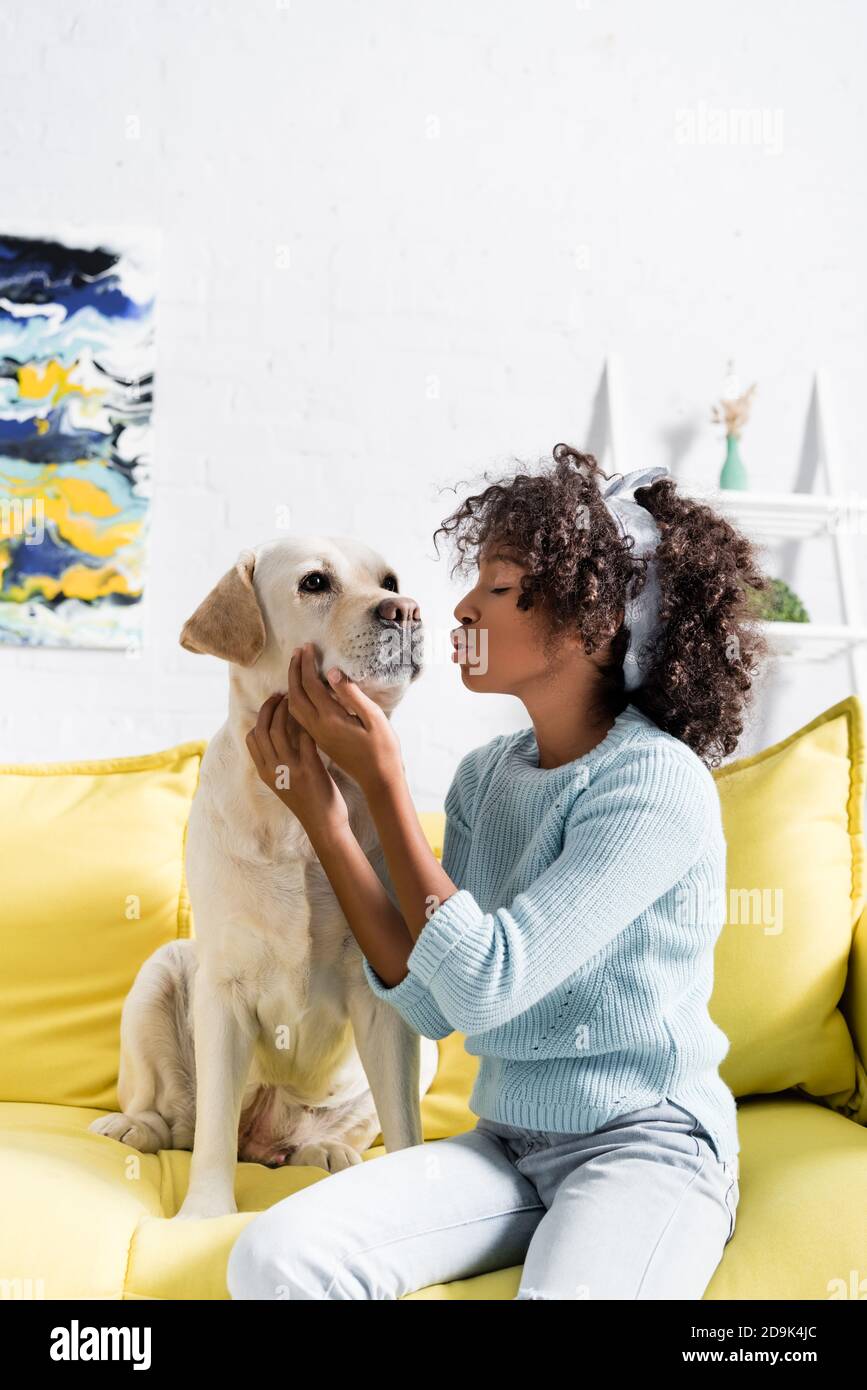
(733, 411)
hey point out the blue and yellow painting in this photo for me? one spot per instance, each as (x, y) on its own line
(76, 396)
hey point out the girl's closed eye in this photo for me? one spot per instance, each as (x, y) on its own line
(504, 590)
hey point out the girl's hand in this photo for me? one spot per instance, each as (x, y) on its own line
(345, 724)
(288, 762)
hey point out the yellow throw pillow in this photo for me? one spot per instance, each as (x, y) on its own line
(93, 882)
(793, 820)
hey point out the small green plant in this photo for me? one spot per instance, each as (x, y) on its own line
(778, 604)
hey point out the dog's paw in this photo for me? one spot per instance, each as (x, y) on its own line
(204, 1211)
(127, 1130)
(330, 1154)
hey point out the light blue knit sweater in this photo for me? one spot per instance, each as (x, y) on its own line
(577, 954)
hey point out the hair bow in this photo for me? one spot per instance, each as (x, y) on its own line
(641, 614)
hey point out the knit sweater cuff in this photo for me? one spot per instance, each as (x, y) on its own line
(412, 1001)
(443, 930)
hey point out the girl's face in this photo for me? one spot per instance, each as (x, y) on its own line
(499, 647)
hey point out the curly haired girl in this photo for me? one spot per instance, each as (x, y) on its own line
(568, 931)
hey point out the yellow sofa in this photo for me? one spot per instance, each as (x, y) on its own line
(93, 882)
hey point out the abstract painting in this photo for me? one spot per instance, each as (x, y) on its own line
(76, 395)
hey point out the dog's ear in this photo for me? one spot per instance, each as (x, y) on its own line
(229, 623)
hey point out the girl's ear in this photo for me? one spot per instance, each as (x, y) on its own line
(229, 623)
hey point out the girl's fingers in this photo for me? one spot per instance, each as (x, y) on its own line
(309, 750)
(294, 730)
(306, 741)
(263, 727)
(279, 731)
(279, 741)
(319, 695)
(300, 703)
(351, 698)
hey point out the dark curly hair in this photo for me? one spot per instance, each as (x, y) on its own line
(710, 646)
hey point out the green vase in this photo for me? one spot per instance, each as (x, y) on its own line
(733, 475)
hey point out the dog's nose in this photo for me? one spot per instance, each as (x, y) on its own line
(397, 609)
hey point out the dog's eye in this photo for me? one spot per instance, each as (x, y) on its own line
(315, 583)
(390, 582)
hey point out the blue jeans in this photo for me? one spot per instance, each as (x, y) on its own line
(640, 1209)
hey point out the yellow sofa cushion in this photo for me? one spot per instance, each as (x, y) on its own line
(793, 820)
(93, 882)
(81, 1216)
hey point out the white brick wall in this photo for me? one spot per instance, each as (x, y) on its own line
(478, 200)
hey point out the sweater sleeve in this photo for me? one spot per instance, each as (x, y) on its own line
(627, 840)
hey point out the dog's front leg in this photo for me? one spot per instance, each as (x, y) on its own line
(390, 1054)
(224, 1045)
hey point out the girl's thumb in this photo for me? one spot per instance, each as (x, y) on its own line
(345, 691)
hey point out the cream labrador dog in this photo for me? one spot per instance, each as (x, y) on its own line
(261, 1039)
